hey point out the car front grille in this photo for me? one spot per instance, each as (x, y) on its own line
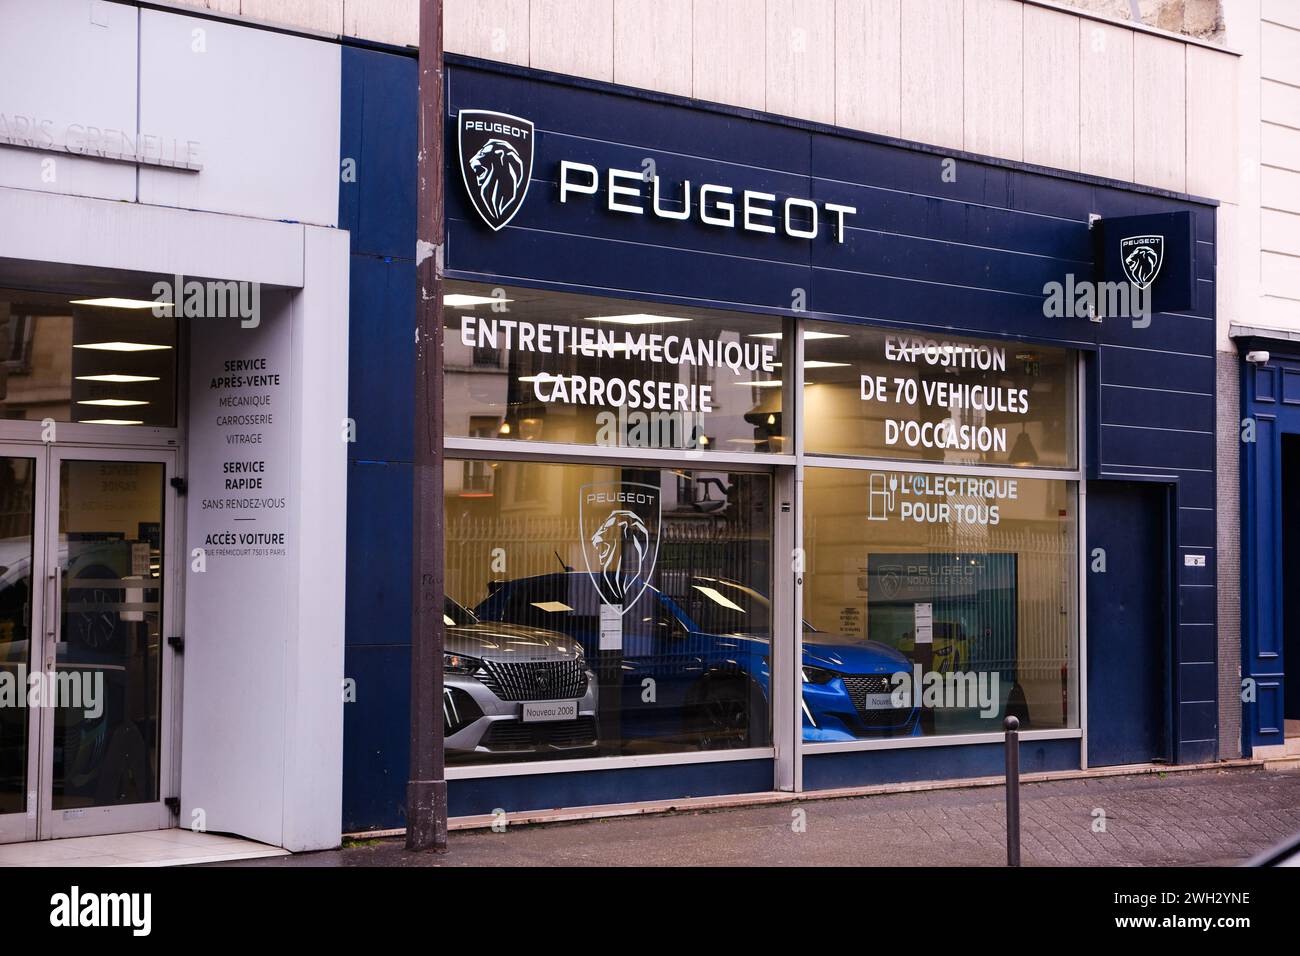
(515, 735)
(860, 685)
(535, 680)
(458, 710)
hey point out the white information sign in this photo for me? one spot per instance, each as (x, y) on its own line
(611, 627)
(924, 614)
(239, 474)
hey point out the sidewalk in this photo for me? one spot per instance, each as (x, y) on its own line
(1181, 819)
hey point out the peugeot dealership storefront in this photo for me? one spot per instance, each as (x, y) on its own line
(780, 458)
(767, 466)
(771, 463)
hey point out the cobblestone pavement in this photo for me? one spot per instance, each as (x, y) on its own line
(1186, 818)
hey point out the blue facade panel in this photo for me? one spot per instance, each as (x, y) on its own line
(484, 795)
(377, 205)
(965, 254)
(376, 732)
(378, 136)
(910, 764)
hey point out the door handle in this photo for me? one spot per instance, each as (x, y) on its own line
(53, 599)
(50, 584)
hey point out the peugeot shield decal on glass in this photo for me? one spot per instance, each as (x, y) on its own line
(619, 521)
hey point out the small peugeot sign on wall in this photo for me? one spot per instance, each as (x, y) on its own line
(1142, 257)
(496, 162)
(1155, 253)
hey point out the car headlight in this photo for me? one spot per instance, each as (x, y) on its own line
(459, 664)
(817, 675)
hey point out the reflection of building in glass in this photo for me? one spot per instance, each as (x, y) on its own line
(681, 560)
(1033, 396)
(556, 367)
(1001, 593)
(72, 362)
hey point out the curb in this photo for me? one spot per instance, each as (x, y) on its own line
(732, 801)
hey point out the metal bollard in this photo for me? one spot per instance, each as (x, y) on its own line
(1012, 726)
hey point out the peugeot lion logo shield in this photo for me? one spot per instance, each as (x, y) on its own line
(496, 162)
(1142, 257)
(891, 580)
(619, 523)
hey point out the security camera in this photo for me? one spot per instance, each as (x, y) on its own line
(1256, 358)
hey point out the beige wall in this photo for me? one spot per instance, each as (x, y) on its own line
(388, 21)
(1259, 225)
(1002, 77)
(1279, 163)
(1023, 81)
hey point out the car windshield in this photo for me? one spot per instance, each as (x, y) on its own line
(453, 615)
(719, 606)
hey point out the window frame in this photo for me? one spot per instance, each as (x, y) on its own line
(549, 453)
(1077, 655)
(786, 471)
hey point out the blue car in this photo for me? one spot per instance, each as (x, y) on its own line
(695, 661)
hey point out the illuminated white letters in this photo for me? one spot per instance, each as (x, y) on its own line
(567, 185)
(790, 228)
(751, 211)
(625, 193)
(729, 207)
(617, 189)
(684, 213)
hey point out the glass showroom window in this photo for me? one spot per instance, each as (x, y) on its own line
(599, 610)
(917, 397)
(618, 607)
(91, 359)
(939, 598)
(956, 591)
(558, 368)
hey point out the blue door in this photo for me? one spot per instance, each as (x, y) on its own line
(1270, 473)
(1128, 623)
(1290, 583)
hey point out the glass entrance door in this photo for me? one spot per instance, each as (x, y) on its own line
(83, 626)
(22, 518)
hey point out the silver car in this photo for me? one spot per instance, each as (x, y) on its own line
(512, 690)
